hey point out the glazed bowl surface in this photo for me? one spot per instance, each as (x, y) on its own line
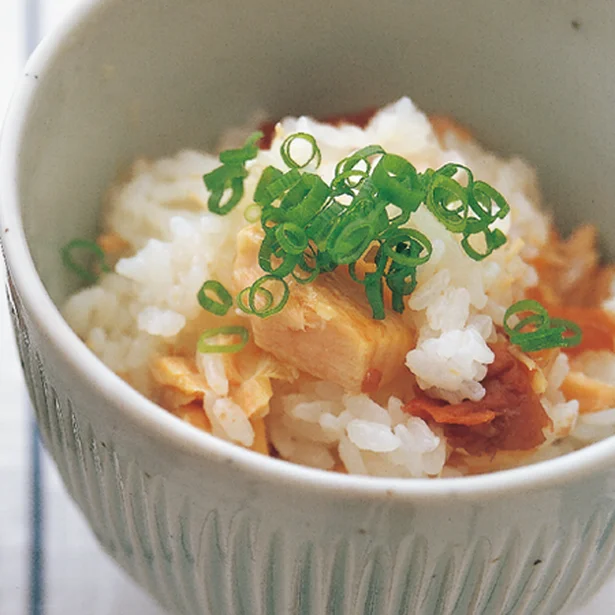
(208, 527)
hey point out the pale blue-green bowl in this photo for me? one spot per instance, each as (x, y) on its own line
(208, 527)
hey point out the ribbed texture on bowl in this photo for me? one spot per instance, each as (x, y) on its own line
(198, 555)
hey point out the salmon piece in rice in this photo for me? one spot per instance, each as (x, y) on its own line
(326, 329)
(570, 272)
(593, 395)
(194, 414)
(180, 374)
(261, 441)
(112, 244)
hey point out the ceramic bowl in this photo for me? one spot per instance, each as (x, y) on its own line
(208, 527)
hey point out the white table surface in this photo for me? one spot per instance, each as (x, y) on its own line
(50, 563)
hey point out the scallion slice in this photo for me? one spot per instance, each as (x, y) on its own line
(252, 213)
(248, 152)
(285, 151)
(89, 251)
(204, 346)
(218, 306)
(536, 330)
(398, 247)
(258, 289)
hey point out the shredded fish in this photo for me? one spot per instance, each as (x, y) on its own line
(326, 329)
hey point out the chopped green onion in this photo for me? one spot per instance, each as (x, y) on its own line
(348, 177)
(230, 176)
(258, 288)
(312, 228)
(538, 315)
(265, 297)
(444, 192)
(311, 271)
(402, 282)
(219, 306)
(261, 193)
(493, 240)
(252, 213)
(373, 291)
(304, 200)
(352, 241)
(450, 169)
(397, 181)
(220, 180)
(91, 250)
(398, 247)
(322, 226)
(248, 152)
(568, 341)
(348, 181)
(283, 183)
(270, 252)
(362, 155)
(545, 332)
(291, 237)
(289, 161)
(231, 331)
(486, 197)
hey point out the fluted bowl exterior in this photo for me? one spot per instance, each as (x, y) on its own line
(207, 527)
(202, 537)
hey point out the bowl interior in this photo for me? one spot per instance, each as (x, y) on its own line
(135, 79)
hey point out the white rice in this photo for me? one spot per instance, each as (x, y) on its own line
(148, 305)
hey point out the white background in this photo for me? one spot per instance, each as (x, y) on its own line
(79, 579)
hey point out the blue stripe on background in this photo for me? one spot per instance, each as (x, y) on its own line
(32, 25)
(37, 542)
(37, 546)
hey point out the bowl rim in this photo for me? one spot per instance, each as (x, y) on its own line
(158, 424)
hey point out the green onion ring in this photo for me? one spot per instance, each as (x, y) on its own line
(261, 193)
(442, 192)
(494, 240)
(352, 241)
(324, 223)
(303, 266)
(549, 333)
(270, 248)
(289, 161)
(482, 189)
(252, 213)
(257, 287)
(402, 283)
(277, 187)
(397, 181)
(204, 347)
(361, 155)
(224, 301)
(291, 237)
(450, 169)
(88, 275)
(264, 295)
(413, 237)
(567, 325)
(248, 152)
(305, 200)
(341, 183)
(525, 305)
(226, 177)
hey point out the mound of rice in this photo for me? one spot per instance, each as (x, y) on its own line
(166, 244)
